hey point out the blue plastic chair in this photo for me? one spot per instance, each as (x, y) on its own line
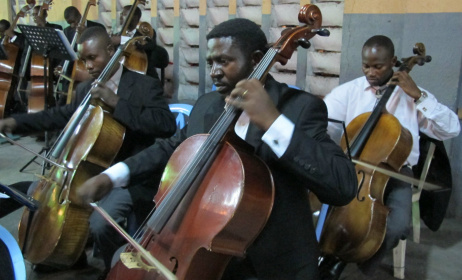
(182, 111)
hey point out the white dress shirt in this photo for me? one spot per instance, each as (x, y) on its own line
(353, 98)
(277, 137)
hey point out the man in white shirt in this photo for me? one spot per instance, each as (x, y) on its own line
(416, 109)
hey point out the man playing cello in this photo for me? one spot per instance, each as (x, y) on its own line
(287, 128)
(414, 107)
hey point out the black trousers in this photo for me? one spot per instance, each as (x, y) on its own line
(10, 205)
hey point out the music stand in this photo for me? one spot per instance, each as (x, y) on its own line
(48, 42)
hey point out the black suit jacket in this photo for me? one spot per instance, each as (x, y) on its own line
(141, 109)
(287, 246)
(70, 32)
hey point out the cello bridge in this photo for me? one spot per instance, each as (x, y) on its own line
(132, 260)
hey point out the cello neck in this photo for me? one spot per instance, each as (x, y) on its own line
(123, 32)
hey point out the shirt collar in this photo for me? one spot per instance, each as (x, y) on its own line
(113, 82)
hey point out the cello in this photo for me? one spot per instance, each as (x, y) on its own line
(56, 233)
(41, 92)
(215, 196)
(79, 72)
(356, 231)
(9, 68)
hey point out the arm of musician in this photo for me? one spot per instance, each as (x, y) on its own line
(336, 102)
(94, 189)
(137, 168)
(41, 22)
(435, 119)
(313, 158)
(145, 110)
(105, 93)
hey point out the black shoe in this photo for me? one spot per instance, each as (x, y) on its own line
(81, 262)
(103, 274)
(330, 268)
(42, 268)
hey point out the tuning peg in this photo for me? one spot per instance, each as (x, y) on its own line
(321, 32)
(304, 43)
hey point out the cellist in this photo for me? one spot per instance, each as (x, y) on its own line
(414, 107)
(287, 128)
(137, 103)
(156, 55)
(72, 16)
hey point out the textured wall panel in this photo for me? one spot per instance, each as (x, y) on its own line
(325, 62)
(319, 85)
(166, 17)
(191, 74)
(191, 55)
(250, 12)
(221, 3)
(286, 14)
(191, 3)
(217, 15)
(190, 36)
(165, 35)
(290, 66)
(190, 16)
(167, 3)
(188, 92)
(332, 13)
(284, 78)
(331, 43)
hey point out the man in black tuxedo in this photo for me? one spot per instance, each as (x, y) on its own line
(137, 103)
(157, 56)
(72, 17)
(287, 129)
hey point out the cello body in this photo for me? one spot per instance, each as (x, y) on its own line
(218, 218)
(356, 231)
(40, 96)
(41, 76)
(56, 234)
(9, 70)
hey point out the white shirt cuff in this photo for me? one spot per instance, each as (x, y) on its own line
(279, 134)
(124, 39)
(119, 174)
